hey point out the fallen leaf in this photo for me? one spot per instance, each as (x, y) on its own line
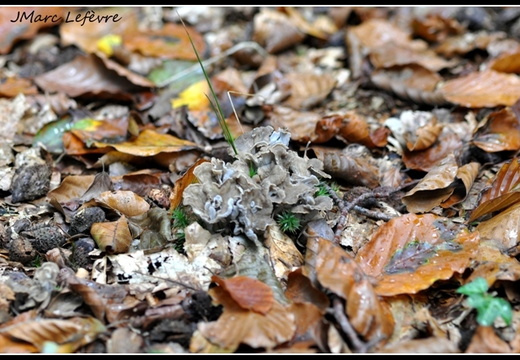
(434, 188)
(502, 192)
(22, 23)
(248, 293)
(487, 88)
(409, 253)
(114, 237)
(125, 202)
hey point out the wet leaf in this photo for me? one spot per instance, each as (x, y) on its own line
(411, 252)
(487, 88)
(114, 237)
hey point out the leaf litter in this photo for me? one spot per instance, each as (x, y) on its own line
(362, 167)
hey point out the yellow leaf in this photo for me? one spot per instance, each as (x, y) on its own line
(107, 43)
(194, 96)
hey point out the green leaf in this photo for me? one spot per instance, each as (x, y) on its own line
(477, 286)
(50, 135)
(492, 308)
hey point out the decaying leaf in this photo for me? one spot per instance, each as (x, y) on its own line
(411, 252)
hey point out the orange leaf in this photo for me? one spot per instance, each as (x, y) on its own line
(409, 253)
(249, 293)
(501, 133)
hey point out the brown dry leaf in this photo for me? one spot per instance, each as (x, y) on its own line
(467, 175)
(337, 271)
(425, 160)
(169, 42)
(467, 42)
(485, 340)
(239, 326)
(283, 252)
(150, 142)
(13, 86)
(275, 31)
(376, 33)
(308, 89)
(87, 75)
(65, 198)
(300, 290)
(502, 193)
(114, 237)
(435, 28)
(424, 137)
(70, 334)
(389, 55)
(327, 127)
(500, 133)
(409, 253)
(74, 146)
(434, 188)
(412, 82)
(86, 35)
(356, 129)
(125, 202)
(349, 165)
(124, 340)
(487, 88)
(321, 28)
(124, 72)
(14, 27)
(248, 293)
(503, 229)
(301, 124)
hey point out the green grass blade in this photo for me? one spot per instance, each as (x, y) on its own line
(215, 104)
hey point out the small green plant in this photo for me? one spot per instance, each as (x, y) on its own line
(488, 306)
(288, 222)
(323, 190)
(180, 219)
